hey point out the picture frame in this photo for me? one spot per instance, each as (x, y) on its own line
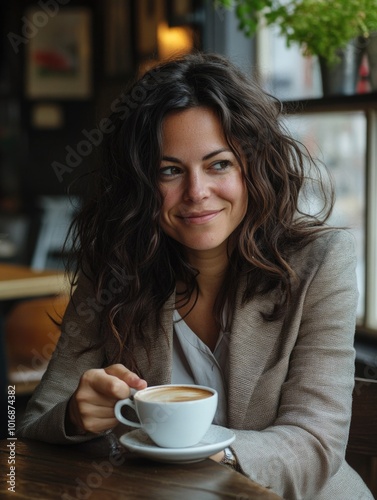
(59, 55)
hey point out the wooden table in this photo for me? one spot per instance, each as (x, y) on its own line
(21, 282)
(43, 471)
(18, 282)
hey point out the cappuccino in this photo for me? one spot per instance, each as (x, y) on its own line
(174, 394)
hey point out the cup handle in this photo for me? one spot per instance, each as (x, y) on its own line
(118, 412)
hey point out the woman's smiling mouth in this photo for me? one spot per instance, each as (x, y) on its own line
(199, 217)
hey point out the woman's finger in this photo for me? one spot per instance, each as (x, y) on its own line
(123, 373)
(101, 383)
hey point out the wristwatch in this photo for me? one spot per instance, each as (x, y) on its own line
(230, 459)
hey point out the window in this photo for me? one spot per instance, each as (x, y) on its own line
(284, 71)
(341, 132)
(339, 141)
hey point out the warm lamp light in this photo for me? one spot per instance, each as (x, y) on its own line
(173, 41)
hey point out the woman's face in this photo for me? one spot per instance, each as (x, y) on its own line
(204, 193)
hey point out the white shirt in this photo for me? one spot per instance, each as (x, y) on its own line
(195, 363)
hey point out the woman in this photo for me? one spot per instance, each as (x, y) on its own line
(196, 264)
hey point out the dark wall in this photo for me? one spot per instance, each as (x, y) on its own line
(43, 146)
(27, 170)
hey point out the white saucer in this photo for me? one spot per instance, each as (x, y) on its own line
(216, 439)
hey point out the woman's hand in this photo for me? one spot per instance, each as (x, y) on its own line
(91, 407)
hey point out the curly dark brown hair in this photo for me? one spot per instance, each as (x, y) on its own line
(117, 232)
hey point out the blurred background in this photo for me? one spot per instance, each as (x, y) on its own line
(64, 63)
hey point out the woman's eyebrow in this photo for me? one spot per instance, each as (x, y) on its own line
(214, 153)
(206, 157)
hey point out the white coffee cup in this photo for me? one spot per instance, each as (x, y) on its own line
(173, 416)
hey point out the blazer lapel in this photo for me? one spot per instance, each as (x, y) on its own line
(252, 339)
(156, 368)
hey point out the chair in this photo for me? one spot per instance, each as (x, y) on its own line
(31, 336)
(361, 451)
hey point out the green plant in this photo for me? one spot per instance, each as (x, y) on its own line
(320, 27)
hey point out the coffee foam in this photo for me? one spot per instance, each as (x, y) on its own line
(176, 394)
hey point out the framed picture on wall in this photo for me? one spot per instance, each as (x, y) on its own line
(58, 55)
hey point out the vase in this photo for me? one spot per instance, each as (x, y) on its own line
(341, 77)
(371, 51)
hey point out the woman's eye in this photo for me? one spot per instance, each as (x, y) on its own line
(222, 165)
(169, 171)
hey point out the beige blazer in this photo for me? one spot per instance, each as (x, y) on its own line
(290, 381)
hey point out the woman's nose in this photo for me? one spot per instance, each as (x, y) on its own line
(197, 187)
